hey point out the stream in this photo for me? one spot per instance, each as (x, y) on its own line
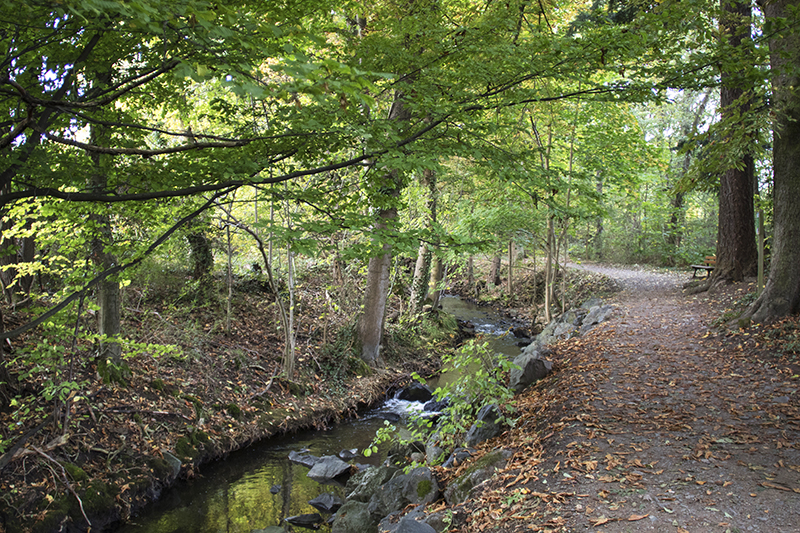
(258, 487)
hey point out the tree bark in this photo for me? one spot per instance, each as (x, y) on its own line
(781, 294)
(422, 269)
(494, 271)
(737, 255)
(108, 294)
(422, 274)
(371, 321)
(437, 274)
(202, 258)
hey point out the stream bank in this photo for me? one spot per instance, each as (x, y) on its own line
(215, 397)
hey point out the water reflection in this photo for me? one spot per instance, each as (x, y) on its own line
(233, 496)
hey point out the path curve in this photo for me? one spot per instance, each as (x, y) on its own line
(654, 422)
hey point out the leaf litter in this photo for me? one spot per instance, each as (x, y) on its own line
(662, 419)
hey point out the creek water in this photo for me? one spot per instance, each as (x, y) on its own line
(235, 496)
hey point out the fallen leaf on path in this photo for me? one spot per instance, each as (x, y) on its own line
(602, 520)
(769, 485)
(635, 517)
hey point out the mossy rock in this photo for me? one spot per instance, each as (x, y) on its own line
(184, 448)
(458, 489)
(161, 468)
(200, 437)
(98, 498)
(75, 472)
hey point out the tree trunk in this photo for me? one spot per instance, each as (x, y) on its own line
(437, 274)
(597, 239)
(471, 276)
(510, 268)
(781, 294)
(422, 274)
(202, 258)
(422, 270)
(494, 271)
(376, 293)
(108, 294)
(737, 255)
(549, 276)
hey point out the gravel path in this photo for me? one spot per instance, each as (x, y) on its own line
(657, 422)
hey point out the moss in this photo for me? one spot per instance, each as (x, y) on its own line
(198, 405)
(98, 498)
(52, 518)
(424, 487)
(157, 384)
(160, 467)
(75, 472)
(137, 418)
(184, 448)
(234, 410)
(358, 367)
(199, 437)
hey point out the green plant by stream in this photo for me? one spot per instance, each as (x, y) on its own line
(482, 380)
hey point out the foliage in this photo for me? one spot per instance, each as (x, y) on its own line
(481, 379)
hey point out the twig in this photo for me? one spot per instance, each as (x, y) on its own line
(266, 389)
(65, 480)
(9, 455)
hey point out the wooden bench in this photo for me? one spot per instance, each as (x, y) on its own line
(708, 265)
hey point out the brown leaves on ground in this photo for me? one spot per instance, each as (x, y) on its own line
(658, 418)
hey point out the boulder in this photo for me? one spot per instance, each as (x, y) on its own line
(416, 392)
(436, 406)
(328, 468)
(327, 503)
(530, 368)
(483, 469)
(363, 485)
(348, 455)
(591, 302)
(173, 462)
(411, 523)
(458, 456)
(433, 453)
(486, 425)
(274, 489)
(597, 314)
(354, 517)
(303, 459)
(307, 521)
(417, 487)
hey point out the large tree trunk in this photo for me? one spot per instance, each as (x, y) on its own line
(737, 255)
(370, 324)
(781, 294)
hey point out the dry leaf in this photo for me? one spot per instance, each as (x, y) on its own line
(635, 517)
(600, 521)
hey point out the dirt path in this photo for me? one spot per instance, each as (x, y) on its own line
(655, 422)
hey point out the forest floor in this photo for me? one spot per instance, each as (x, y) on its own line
(662, 419)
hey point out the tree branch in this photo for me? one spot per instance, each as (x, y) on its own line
(111, 271)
